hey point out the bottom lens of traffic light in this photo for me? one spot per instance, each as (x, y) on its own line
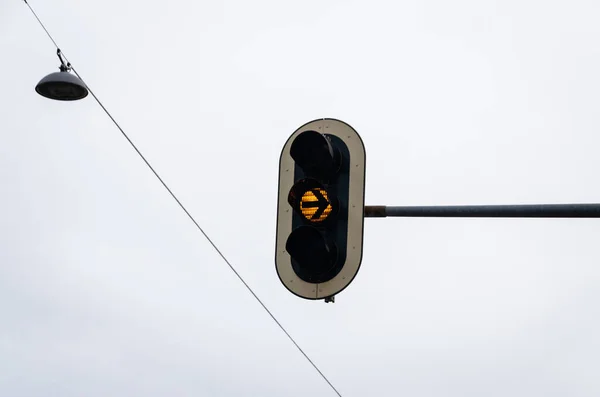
(314, 256)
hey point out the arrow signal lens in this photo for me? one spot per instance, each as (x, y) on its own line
(315, 205)
(311, 200)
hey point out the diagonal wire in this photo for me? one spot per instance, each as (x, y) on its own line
(188, 214)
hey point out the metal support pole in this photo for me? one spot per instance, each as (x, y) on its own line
(487, 211)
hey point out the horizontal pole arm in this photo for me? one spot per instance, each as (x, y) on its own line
(487, 211)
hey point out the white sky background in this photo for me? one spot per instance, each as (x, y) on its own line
(106, 288)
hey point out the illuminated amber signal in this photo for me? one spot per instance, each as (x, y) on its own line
(315, 205)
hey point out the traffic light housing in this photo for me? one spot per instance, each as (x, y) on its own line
(320, 211)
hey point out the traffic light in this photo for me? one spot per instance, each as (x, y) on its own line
(320, 210)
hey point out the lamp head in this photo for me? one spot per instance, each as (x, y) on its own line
(62, 86)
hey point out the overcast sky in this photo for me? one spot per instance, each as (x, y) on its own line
(107, 289)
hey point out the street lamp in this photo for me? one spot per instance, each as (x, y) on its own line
(63, 85)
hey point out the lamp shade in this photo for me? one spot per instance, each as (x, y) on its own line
(62, 86)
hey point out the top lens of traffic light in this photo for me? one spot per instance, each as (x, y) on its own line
(313, 152)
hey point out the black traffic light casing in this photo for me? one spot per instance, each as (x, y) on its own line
(320, 209)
